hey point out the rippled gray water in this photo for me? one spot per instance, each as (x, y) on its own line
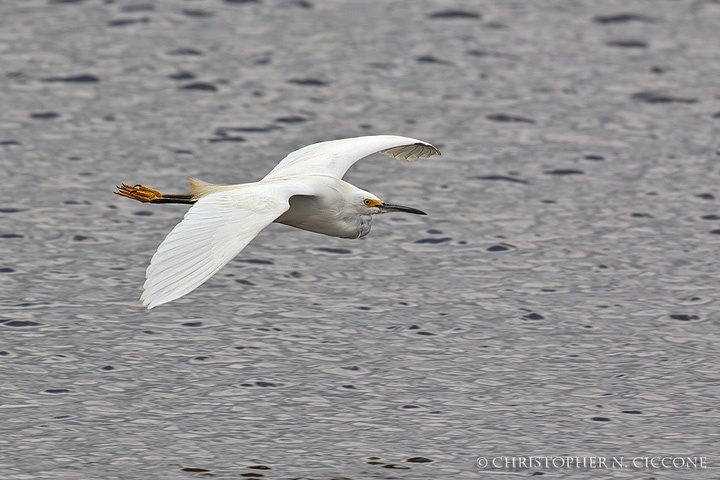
(561, 298)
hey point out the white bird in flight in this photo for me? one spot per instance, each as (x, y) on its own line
(304, 190)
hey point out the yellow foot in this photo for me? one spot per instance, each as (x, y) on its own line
(140, 193)
(145, 194)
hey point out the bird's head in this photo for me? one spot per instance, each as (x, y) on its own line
(375, 206)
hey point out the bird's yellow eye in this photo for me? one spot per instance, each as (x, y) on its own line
(371, 202)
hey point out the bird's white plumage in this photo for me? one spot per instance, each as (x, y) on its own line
(224, 221)
(212, 233)
(337, 156)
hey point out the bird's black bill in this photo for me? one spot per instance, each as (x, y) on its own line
(386, 207)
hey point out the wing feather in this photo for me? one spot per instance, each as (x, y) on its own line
(337, 156)
(215, 229)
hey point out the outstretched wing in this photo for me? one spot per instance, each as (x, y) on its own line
(337, 156)
(215, 229)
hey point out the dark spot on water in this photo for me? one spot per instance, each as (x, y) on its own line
(107, 368)
(337, 251)
(57, 390)
(501, 178)
(239, 2)
(227, 138)
(564, 171)
(291, 119)
(199, 86)
(715, 232)
(194, 470)
(533, 316)
(65, 2)
(201, 358)
(308, 82)
(502, 247)
(260, 467)
(123, 22)
(434, 240)
(244, 282)
(11, 210)
(395, 467)
(414, 327)
(452, 14)
(198, 13)
(350, 387)
(252, 475)
(82, 238)
(424, 333)
(432, 59)
(8, 143)
(622, 18)
(4, 353)
(352, 368)
(712, 217)
(600, 419)
(484, 53)
(364, 308)
(140, 7)
(434, 231)
(82, 78)
(265, 384)
(143, 213)
(706, 196)
(650, 96)
(595, 158)
(506, 117)
(185, 51)
(44, 115)
(6, 270)
(20, 323)
(684, 317)
(418, 460)
(192, 324)
(182, 76)
(257, 261)
(627, 43)
(641, 215)
(537, 474)
(632, 412)
(658, 69)
(224, 130)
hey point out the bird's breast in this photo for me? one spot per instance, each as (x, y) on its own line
(315, 215)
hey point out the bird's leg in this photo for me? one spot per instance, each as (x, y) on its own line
(145, 194)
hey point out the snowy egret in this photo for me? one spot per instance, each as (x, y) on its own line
(304, 190)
